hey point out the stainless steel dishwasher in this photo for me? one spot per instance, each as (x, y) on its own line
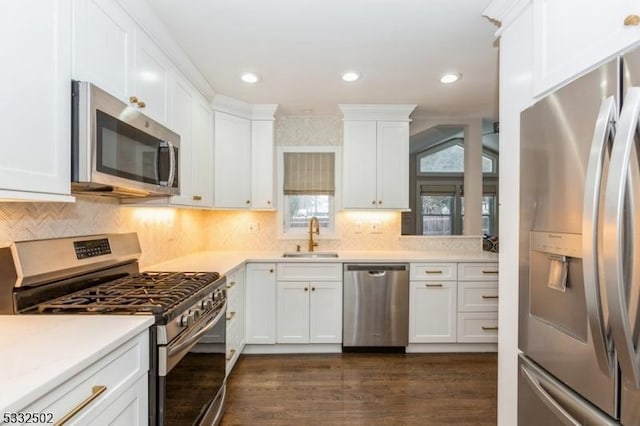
(376, 305)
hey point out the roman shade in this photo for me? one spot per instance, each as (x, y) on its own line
(309, 173)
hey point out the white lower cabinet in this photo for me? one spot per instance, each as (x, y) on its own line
(309, 312)
(477, 303)
(261, 303)
(309, 303)
(432, 312)
(115, 386)
(235, 339)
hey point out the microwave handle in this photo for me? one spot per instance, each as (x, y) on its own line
(172, 164)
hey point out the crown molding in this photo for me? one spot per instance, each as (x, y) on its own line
(502, 13)
(375, 112)
(243, 109)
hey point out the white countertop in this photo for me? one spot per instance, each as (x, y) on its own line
(225, 261)
(39, 352)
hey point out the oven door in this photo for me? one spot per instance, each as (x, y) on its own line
(191, 383)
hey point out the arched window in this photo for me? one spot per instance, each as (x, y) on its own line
(440, 190)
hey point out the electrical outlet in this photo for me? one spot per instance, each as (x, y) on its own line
(358, 228)
(253, 228)
(376, 227)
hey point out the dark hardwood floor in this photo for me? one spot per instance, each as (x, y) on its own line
(363, 389)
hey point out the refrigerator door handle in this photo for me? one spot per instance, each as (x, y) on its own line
(614, 238)
(603, 135)
(535, 383)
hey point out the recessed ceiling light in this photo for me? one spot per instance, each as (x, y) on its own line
(250, 77)
(350, 76)
(450, 78)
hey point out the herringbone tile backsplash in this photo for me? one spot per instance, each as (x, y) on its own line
(164, 233)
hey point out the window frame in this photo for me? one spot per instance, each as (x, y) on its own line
(282, 205)
(486, 152)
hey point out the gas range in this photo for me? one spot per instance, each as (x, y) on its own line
(99, 275)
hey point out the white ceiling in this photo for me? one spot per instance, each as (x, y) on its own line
(301, 47)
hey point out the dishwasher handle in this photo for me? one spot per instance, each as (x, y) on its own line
(375, 269)
(377, 273)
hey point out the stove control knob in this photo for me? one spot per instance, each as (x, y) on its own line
(207, 304)
(196, 314)
(187, 320)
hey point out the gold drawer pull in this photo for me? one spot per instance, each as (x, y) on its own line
(232, 352)
(230, 284)
(197, 198)
(490, 272)
(433, 271)
(96, 391)
(141, 104)
(632, 20)
(231, 315)
(490, 328)
(489, 297)
(433, 285)
(133, 99)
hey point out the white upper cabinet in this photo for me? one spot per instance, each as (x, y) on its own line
(112, 52)
(243, 155)
(192, 119)
(103, 46)
(262, 161)
(571, 36)
(152, 79)
(35, 100)
(232, 164)
(376, 156)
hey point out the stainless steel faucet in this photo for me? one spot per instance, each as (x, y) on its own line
(312, 243)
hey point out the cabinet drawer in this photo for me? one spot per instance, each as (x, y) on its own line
(116, 371)
(309, 271)
(477, 296)
(478, 327)
(478, 271)
(433, 271)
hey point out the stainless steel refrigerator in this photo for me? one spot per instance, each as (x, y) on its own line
(579, 316)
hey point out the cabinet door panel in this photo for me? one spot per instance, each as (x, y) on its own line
(325, 317)
(432, 314)
(182, 123)
(103, 44)
(359, 164)
(202, 159)
(393, 165)
(35, 107)
(571, 36)
(262, 165)
(293, 312)
(260, 303)
(152, 78)
(232, 162)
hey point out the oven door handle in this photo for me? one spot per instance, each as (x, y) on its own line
(192, 340)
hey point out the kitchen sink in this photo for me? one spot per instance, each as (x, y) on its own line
(313, 254)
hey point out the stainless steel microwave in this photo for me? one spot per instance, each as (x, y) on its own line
(118, 151)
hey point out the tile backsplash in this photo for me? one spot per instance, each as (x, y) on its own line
(164, 233)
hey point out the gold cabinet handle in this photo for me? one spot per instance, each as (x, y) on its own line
(232, 352)
(489, 328)
(141, 104)
(268, 202)
(306, 289)
(632, 21)
(490, 272)
(433, 271)
(313, 289)
(271, 271)
(433, 285)
(96, 391)
(380, 202)
(133, 99)
(231, 284)
(373, 202)
(489, 297)
(248, 202)
(197, 197)
(231, 315)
